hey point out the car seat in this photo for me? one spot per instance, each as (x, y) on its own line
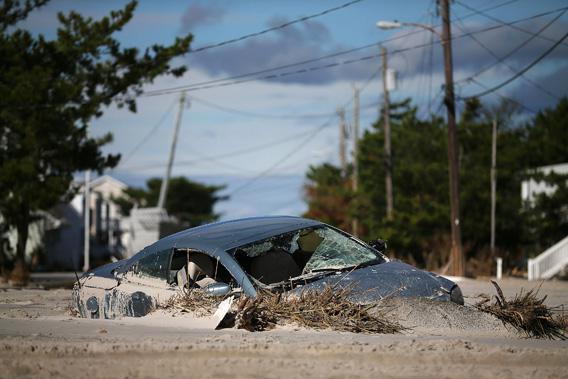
(274, 266)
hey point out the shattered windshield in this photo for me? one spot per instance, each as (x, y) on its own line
(302, 252)
(337, 251)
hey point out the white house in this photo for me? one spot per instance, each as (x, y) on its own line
(554, 259)
(531, 188)
(64, 245)
(143, 228)
(60, 231)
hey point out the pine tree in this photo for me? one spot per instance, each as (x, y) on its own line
(51, 90)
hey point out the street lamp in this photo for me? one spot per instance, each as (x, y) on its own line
(457, 259)
(386, 25)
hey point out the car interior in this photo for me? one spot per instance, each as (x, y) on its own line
(194, 269)
(277, 264)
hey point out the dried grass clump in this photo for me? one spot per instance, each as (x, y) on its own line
(194, 301)
(526, 313)
(562, 320)
(73, 311)
(327, 309)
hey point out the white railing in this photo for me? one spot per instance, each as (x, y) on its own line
(550, 262)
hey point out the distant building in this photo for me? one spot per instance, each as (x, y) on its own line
(59, 233)
(554, 260)
(64, 245)
(531, 188)
(143, 228)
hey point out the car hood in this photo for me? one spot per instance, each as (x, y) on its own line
(107, 270)
(396, 279)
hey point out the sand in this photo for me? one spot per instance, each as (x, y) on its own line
(39, 339)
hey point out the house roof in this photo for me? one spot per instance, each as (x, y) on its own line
(107, 179)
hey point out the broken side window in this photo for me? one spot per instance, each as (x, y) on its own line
(191, 268)
(155, 265)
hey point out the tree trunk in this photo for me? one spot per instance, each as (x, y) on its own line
(20, 275)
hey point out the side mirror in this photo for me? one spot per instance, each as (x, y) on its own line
(217, 289)
(379, 244)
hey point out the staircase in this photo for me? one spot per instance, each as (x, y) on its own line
(550, 262)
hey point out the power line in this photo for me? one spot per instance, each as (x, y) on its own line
(283, 182)
(494, 27)
(193, 87)
(303, 143)
(149, 134)
(235, 153)
(248, 150)
(189, 87)
(422, 86)
(263, 115)
(284, 158)
(258, 147)
(268, 77)
(502, 59)
(307, 61)
(199, 84)
(215, 161)
(257, 115)
(274, 28)
(482, 12)
(520, 46)
(276, 68)
(504, 97)
(313, 60)
(313, 133)
(518, 74)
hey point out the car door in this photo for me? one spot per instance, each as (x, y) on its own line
(142, 287)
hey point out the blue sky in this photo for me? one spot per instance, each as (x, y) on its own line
(263, 157)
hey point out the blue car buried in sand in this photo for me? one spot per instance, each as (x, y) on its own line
(242, 257)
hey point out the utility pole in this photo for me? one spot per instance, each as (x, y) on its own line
(386, 122)
(342, 148)
(355, 183)
(493, 184)
(164, 187)
(457, 258)
(87, 221)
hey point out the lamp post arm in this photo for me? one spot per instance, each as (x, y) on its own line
(423, 26)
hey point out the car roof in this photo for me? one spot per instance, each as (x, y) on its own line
(226, 235)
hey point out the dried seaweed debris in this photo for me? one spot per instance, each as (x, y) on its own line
(327, 309)
(193, 301)
(526, 312)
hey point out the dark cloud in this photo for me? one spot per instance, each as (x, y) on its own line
(316, 31)
(197, 14)
(555, 82)
(312, 39)
(295, 43)
(470, 56)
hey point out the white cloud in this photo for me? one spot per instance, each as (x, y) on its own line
(209, 132)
